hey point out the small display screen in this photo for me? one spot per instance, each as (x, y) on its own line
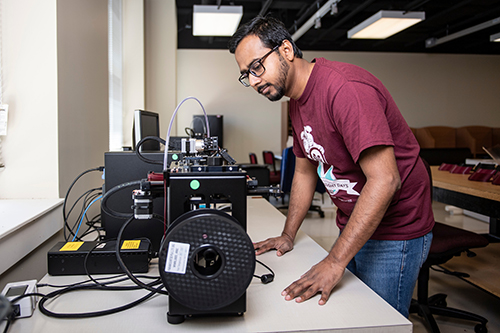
(16, 291)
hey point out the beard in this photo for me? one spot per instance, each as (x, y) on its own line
(279, 87)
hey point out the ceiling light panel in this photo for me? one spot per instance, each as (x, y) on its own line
(216, 20)
(385, 23)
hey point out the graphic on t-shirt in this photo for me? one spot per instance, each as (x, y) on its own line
(313, 150)
(316, 152)
(333, 185)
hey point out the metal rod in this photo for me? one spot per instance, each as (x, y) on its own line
(431, 42)
(309, 23)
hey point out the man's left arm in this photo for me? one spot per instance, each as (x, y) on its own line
(382, 181)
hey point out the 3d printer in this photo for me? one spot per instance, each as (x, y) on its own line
(206, 259)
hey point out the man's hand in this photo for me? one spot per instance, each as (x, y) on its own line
(322, 277)
(282, 244)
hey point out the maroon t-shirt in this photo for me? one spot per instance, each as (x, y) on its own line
(344, 110)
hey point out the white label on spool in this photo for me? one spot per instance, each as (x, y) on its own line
(177, 258)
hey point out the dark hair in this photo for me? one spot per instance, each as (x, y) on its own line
(271, 32)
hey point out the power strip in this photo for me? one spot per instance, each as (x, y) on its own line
(26, 305)
(68, 258)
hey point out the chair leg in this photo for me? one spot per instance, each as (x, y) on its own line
(424, 311)
(426, 306)
(421, 306)
(317, 209)
(456, 313)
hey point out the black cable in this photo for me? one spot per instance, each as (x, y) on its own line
(45, 311)
(10, 319)
(266, 278)
(83, 285)
(69, 190)
(122, 264)
(101, 168)
(85, 260)
(89, 197)
(41, 285)
(94, 225)
(79, 198)
(117, 278)
(15, 311)
(109, 193)
(138, 153)
(15, 300)
(92, 228)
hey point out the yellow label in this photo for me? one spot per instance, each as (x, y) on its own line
(71, 246)
(131, 244)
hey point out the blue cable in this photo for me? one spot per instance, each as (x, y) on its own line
(83, 216)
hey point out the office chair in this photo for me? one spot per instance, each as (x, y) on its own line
(447, 242)
(253, 158)
(275, 176)
(287, 171)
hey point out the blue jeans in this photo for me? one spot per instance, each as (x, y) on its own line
(391, 268)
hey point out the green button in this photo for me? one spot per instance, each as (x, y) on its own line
(195, 184)
(175, 157)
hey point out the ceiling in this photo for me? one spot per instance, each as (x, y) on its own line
(443, 18)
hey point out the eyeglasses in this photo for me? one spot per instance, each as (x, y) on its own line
(256, 68)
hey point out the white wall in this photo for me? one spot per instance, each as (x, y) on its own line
(83, 120)
(251, 122)
(133, 64)
(161, 57)
(437, 89)
(29, 151)
(55, 82)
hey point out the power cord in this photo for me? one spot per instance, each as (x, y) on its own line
(65, 217)
(139, 144)
(109, 193)
(87, 256)
(122, 264)
(13, 311)
(84, 215)
(266, 278)
(44, 299)
(87, 197)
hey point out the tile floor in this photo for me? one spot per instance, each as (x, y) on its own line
(460, 294)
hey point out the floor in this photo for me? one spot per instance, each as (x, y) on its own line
(461, 294)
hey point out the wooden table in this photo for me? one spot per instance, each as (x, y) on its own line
(479, 197)
(353, 307)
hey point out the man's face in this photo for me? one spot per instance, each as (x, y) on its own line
(272, 82)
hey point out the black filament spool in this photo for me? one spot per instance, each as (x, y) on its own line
(220, 263)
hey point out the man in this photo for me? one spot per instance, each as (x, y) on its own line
(348, 130)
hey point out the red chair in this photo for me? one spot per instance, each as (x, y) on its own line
(253, 158)
(274, 176)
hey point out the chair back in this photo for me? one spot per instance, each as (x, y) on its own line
(287, 169)
(320, 187)
(253, 158)
(269, 159)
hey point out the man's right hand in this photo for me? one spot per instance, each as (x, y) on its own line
(281, 244)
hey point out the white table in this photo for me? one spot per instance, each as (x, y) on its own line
(352, 305)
